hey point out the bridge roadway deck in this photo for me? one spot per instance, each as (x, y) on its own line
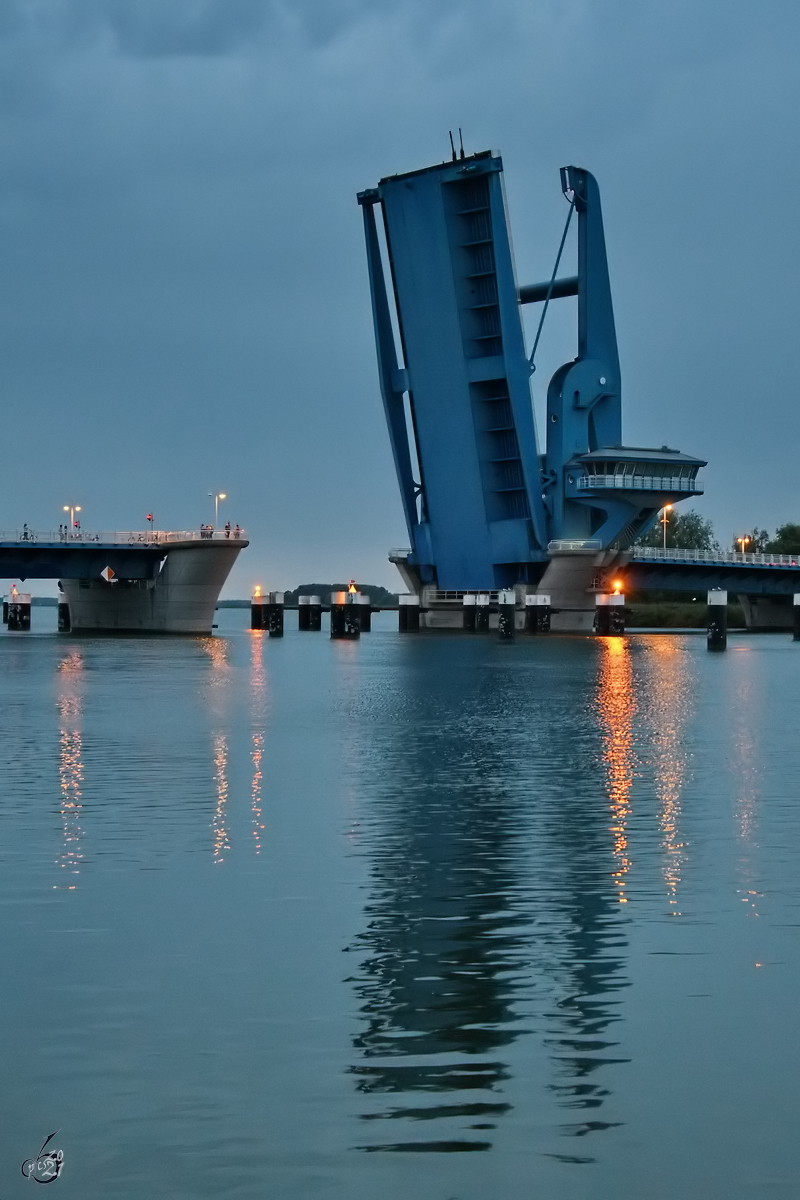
(690, 570)
(130, 555)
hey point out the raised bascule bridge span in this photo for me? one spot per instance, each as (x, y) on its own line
(152, 581)
(487, 507)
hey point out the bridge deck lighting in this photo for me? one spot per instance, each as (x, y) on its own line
(216, 497)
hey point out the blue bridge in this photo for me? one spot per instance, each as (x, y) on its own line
(486, 506)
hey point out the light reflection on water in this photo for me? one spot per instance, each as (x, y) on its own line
(447, 969)
(258, 684)
(615, 699)
(70, 764)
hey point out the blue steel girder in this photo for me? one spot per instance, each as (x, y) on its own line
(482, 523)
(584, 401)
(393, 381)
(57, 561)
(745, 579)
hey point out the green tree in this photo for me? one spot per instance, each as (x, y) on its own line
(786, 540)
(685, 531)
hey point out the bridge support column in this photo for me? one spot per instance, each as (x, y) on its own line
(717, 620)
(568, 579)
(408, 614)
(181, 599)
(344, 616)
(767, 612)
(63, 612)
(507, 615)
(537, 614)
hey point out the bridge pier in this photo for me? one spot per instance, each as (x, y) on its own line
(767, 613)
(568, 580)
(180, 599)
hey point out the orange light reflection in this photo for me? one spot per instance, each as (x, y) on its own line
(614, 700)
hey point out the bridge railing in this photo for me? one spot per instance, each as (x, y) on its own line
(570, 545)
(731, 557)
(119, 537)
(645, 483)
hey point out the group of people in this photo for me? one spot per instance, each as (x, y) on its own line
(207, 531)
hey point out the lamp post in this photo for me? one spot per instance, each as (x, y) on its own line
(742, 542)
(216, 497)
(667, 509)
(72, 509)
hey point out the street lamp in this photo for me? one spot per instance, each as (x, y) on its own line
(742, 541)
(72, 509)
(216, 497)
(667, 509)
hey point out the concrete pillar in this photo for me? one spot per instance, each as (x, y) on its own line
(309, 613)
(274, 614)
(568, 580)
(257, 610)
(537, 613)
(315, 613)
(364, 612)
(482, 601)
(507, 614)
(19, 611)
(408, 614)
(63, 613)
(717, 636)
(344, 616)
(796, 617)
(616, 615)
(469, 610)
(601, 621)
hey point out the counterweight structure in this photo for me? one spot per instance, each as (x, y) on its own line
(484, 509)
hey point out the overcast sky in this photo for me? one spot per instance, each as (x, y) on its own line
(183, 295)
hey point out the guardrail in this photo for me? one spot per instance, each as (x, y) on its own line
(570, 544)
(645, 483)
(119, 537)
(399, 552)
(730, 557)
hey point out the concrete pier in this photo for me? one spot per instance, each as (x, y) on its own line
(180, 598)
(537, 613)
(568, 580)
(18, 617)
(717, 635)
(345, 621)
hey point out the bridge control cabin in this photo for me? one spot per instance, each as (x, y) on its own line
(623, 488)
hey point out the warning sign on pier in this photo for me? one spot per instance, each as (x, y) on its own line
(109, 575)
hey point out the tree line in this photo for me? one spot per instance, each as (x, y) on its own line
(690, 531)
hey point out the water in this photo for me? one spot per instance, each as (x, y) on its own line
(432, 917)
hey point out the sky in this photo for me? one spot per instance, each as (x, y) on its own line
(184, 306)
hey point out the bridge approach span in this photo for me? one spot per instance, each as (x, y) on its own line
(765, 583)
(152, 581)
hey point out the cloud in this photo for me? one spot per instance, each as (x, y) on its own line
(184, 300)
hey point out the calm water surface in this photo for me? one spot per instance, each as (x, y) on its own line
(427, 917)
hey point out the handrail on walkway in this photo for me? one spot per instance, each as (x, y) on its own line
(729, 557)
(120, 537)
